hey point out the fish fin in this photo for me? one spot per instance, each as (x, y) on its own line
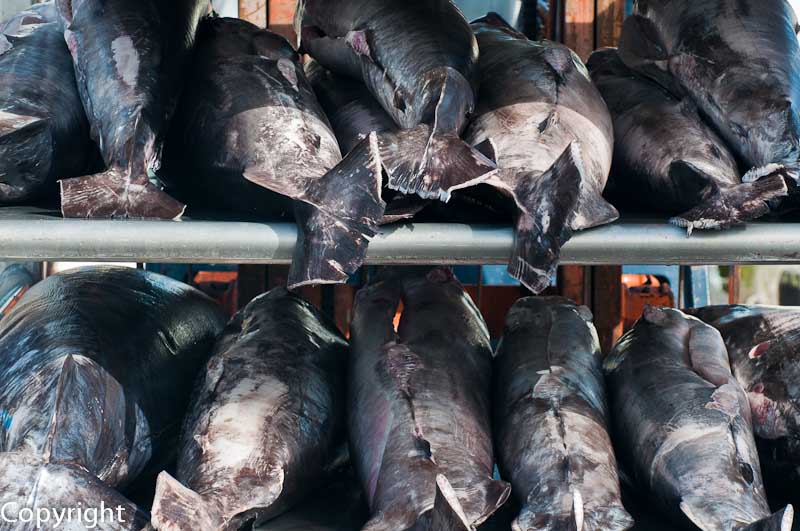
(545, 205)
(358, 40)
(178, 508)
(641, 48)
(340, 212)
(397, 520)
(495, 494)
(708, 354)
(431, 165)
(722, 208)
(592, 209)
(488, 148)
(779, 521)
(13, 124)
(696, 517)
(333, 53)
(113, 194)
(26, 152)
(403, 207)
(89, 420)
(5, 44)
(613, 518)
(447, 513)
(497, 21)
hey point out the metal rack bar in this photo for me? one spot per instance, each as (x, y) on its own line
(29, 234)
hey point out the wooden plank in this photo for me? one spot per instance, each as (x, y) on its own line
(607, 304)
(254, 11)
(579, 26)
(609, 18)
(572, 283)
(281, 16)
(734, 284)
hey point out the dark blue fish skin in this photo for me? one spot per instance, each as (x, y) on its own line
(44, 133)
(738, 61)
(104, 336)
(682, 426)
(419, 413)
(267, 419)
(130, 61)
(551, 419)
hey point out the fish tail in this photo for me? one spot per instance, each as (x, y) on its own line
(722, 208)
(336, 218)
(447, 513)
(114, 194)
(546, 205)
(779, 521)
(431, 164)
(178, 508)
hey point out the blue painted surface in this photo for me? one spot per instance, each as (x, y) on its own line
(5, 419)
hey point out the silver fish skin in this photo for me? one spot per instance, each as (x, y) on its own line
(763, 345)
(682, 425)
(266, 420)
(667, 160)
(551, 420)
(419, 413)
(540, 118)
(98, 366)
(419, 60)
(44, 133)
(53, 490)
(738, 61)
(130, 62)
(250, 137)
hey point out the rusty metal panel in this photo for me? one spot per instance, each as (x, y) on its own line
(254, 11)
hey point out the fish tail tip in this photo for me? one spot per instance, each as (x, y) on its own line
(178, 508)
(535, 279)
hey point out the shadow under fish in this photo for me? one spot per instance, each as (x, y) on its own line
(250, 136)
(682, 424)
(266, 421)
(130, 61)
(44, 133)
(546, 126)
(667, 160)
(419, 413)
(97, 370)
(419, 61)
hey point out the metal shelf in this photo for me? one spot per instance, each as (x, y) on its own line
(37, 234)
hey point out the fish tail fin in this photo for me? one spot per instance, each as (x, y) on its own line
(338, 215)
(592, 209)
(722, 208)
(546, 205)
(431, 165)
(447, 513)
(114, 194)
(779, 521)
(178, 508)
(495, 495)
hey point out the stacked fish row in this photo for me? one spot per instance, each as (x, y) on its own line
(222, 115)
(101, 364)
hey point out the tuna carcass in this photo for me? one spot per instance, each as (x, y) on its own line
(130, 60)
(682, 425)
(547, 127)
(419, 414)
(419, 60)
(266, 420)
(250, 136)
(44, 134)
(666, 159)
(97, 367)
(740, 64)
(551, 420)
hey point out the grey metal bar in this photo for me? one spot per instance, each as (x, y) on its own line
(27, 234)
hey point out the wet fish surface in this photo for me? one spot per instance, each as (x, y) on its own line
(667, 160)
(130, 60)
(44, 133)
(419, 60)
(419, 411)
(266, 420)
(549, 130)
(762, 343)
(682, 424)
(740, 64)
(250, 136)
(98, 365)
(551, 420)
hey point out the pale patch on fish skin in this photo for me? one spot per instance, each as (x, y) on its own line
(126, 59)
(683, 435)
